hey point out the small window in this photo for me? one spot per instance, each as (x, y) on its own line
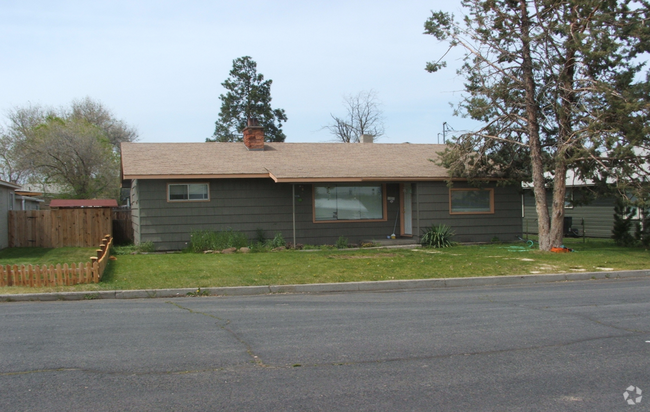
(188, 192)
(12, 200)
(471, 201)
(568, 199)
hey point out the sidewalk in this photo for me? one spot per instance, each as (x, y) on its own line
(386, 285)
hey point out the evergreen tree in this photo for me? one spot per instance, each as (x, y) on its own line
(248, 96)
(623, 214)
(559, 86)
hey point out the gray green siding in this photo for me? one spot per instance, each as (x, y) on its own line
(504, 223)
(598, 215)
(246, 205)
(5, 201)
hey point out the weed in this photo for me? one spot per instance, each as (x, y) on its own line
(258, 247)
(198, 292)
(368, 244)
(133, 249)
(91, 296)
(202, 240)
(342, 243)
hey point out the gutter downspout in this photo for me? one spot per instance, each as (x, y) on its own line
(417, 208)
(293, 204)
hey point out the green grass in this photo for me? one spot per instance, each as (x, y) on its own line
(44, 256)
(154, 271)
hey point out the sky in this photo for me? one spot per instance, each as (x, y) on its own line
(158, 65)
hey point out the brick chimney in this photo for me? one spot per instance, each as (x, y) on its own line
(254, 135)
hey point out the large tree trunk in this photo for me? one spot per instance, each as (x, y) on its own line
(565, 135)
(557, 215)
(539, 188)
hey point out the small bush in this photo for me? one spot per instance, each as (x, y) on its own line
(202, 240)
(437, 236)
(342, 243)
(278, 241)
(257, 247)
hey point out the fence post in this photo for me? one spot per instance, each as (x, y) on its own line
(95, 269)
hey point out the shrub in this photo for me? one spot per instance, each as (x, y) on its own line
(623, 224)
(437, 236)
(278, 241)
(202, 240)
(342, 243)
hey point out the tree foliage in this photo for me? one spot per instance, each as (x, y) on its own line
(75, 149)
(622, 227)
(248, 96)
(559, 85)
(364, 116)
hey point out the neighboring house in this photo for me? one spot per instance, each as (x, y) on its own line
(7, 203)
(598, 215)
(594, 219)
(312, 193)
(28, 200)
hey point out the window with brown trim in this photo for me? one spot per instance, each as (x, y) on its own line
(471, 201)
(345, 202)
(188, 192)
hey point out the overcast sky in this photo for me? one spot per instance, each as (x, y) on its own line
(159, 65)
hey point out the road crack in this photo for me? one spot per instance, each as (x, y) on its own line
(223, 324)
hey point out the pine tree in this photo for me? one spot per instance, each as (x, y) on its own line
(559, 86)
(623, 214)
(248, 96)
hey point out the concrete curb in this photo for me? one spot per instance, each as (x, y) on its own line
(376, 286)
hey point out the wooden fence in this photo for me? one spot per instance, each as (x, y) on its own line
(66, 275)
(59, 228)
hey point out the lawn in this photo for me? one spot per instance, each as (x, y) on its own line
(153, 271)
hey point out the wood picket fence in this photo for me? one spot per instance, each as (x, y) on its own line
(59, 275)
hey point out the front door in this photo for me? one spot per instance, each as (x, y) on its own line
(406, 209)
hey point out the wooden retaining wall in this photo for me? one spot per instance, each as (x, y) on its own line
(59, 275)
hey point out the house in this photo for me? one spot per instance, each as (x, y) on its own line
(312, 193)
(26, 200)
(7, 203)
(594, 218)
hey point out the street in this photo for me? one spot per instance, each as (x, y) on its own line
(569, 346)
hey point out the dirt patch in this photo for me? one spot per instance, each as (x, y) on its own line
(377, 256)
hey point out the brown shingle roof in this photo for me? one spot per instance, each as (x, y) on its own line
(283, 161)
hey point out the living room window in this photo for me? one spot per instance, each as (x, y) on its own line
(471, 201)
(345, 202)
(188, 192)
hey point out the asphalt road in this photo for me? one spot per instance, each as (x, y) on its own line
(574, 346)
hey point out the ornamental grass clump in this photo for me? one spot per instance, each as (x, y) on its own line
(437, 236)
